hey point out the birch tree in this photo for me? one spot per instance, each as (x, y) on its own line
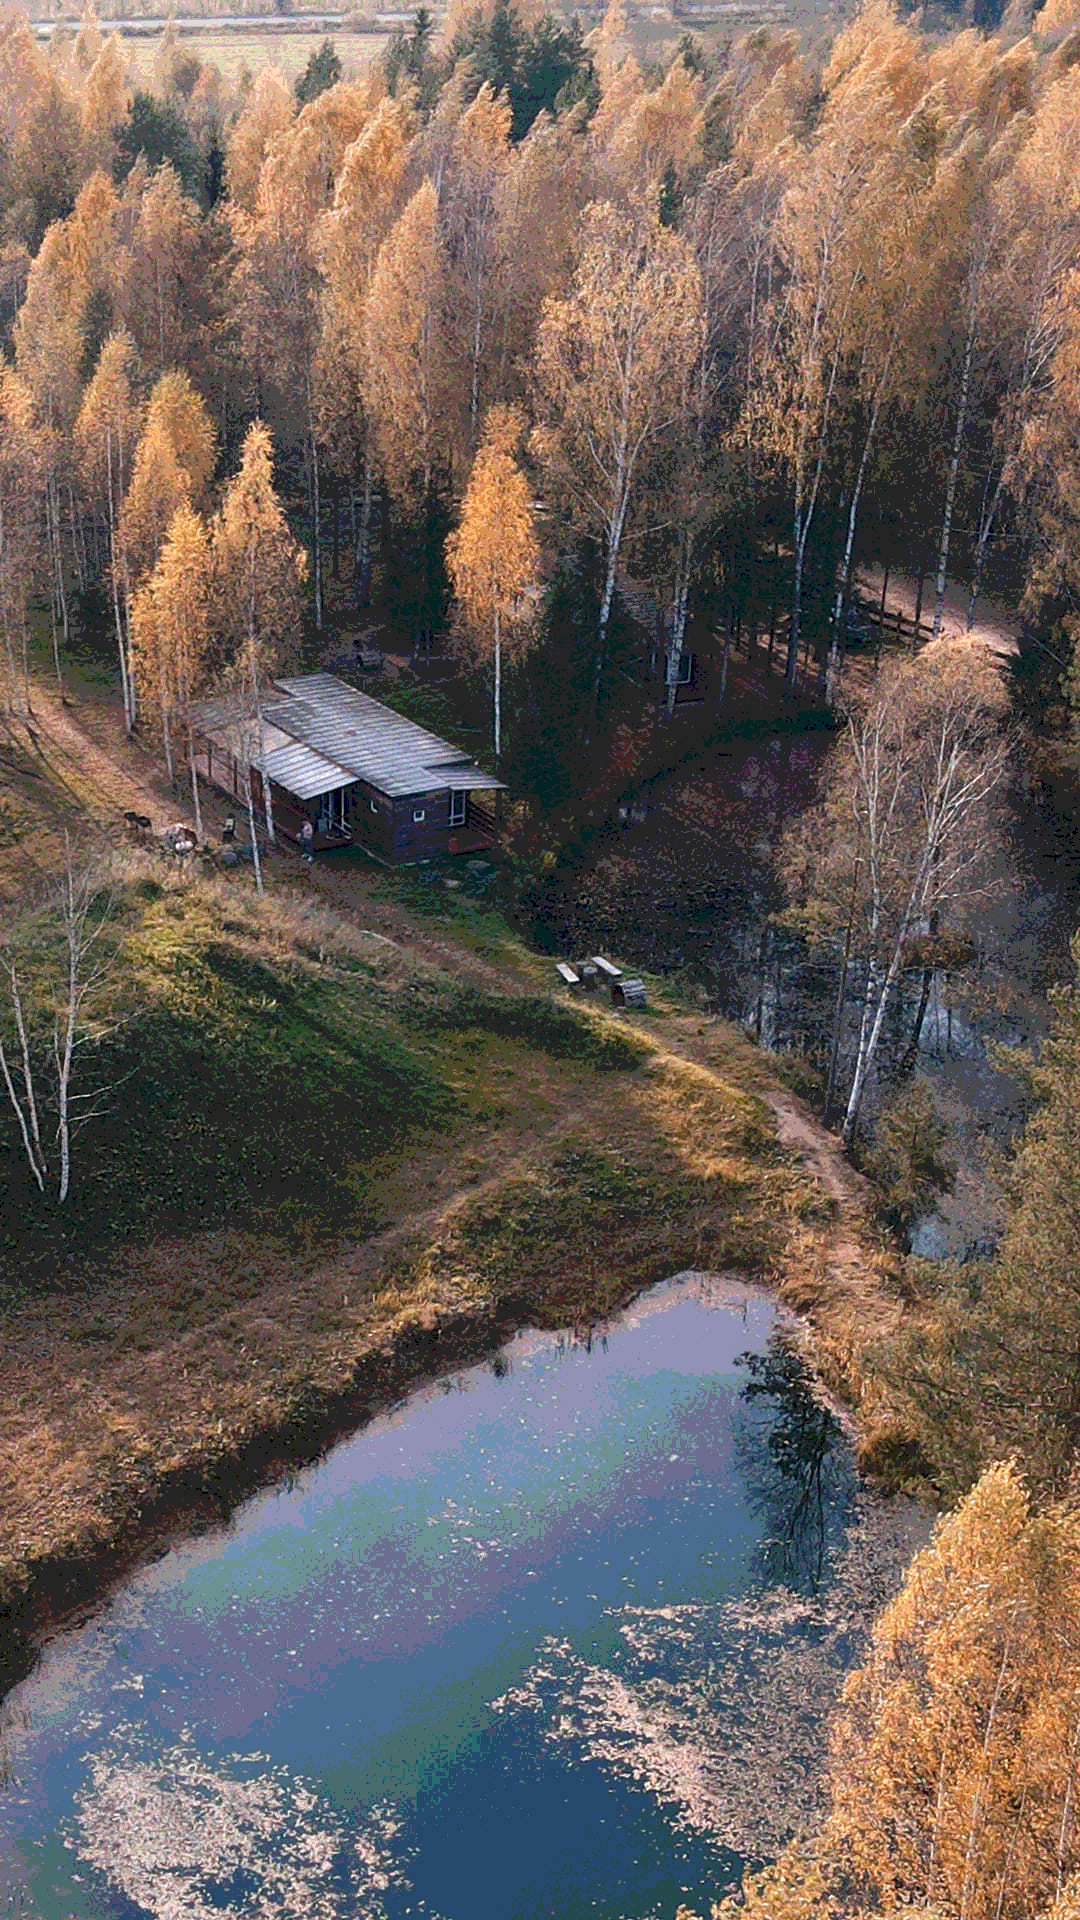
(953, 1764)
(171, 623)
(160, 278)
(173, 463)
(350, 234)
(612, 366)
(405, 346)
(805, 339)
(23, 468)
(1036, 208)
(275, 284)
(49, 1010)
(106, 433)
(258, 575)
(905, 830)
(479, 162)
(494, 555)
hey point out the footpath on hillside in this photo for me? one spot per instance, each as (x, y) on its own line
(163, 1379)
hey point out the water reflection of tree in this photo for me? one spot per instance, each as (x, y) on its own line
(794, 1472)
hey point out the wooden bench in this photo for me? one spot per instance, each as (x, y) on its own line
(606, 968)
(567, 975)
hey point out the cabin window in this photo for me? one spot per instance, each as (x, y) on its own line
(459, 802)
(683, 670)
(373, 806)
(419, 816)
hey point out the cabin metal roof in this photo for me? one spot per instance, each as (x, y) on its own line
(321, 734)
(371, 741)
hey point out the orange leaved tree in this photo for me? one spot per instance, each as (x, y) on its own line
(493, 556)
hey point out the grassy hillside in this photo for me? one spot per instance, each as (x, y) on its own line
(309, 1151)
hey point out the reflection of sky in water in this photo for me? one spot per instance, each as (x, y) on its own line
(496, 1656)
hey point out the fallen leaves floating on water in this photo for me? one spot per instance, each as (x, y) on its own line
(719, 1710)
(184, 1838)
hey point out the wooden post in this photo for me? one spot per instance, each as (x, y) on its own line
(918, 602)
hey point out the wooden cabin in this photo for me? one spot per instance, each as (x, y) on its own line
(361, 773)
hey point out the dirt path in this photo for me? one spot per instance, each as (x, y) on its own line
(994, 626)
(838, 1275)
(85, 748)
(840, 1278)
(183, 1362)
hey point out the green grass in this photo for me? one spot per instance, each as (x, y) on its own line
(562, 1033)
(225, 1086)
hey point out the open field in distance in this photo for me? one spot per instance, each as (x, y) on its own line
(233, 41)
(231, 49)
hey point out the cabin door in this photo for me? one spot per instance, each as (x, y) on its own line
(335, 810)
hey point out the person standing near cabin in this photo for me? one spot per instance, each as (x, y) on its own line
(307, 840)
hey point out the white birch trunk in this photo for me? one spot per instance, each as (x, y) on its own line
(252, 835)
(194, 785)
(843, 585)
(678, 618)
(954, 471)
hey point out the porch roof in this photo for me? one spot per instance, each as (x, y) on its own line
(305, 773)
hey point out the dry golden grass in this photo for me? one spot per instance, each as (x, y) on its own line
(554, 1189)
(235, 51)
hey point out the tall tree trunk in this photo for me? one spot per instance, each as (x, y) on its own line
(841, 997)
(166, 735)
(474, 392)
(862, 1057)
(52, 516)
(843, 588)
(114, 573)
(252, 835)
(78, 540)
(795, 630)
(614, 542)
(498, 688)
(954, 471)
(911, 1051)
(5, 621)
(63, 1055)
(987, 517)
(268, 797)
(316, 540)
(194, 785)
(363, 542)
(726, 655)
(678, 617)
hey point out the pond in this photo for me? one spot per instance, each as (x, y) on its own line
(560, 1634)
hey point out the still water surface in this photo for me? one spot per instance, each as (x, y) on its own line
(557, 1636)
